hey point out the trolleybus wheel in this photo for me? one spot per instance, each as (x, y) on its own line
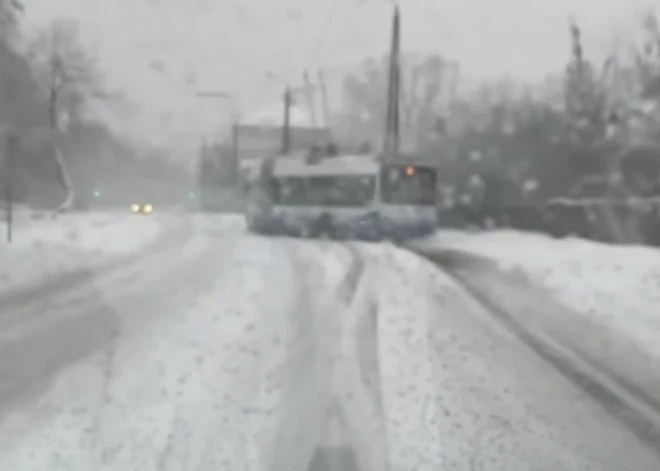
(323, 227)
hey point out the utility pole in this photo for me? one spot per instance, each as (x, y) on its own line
(288, 103)
(286, 122)
(11, 149)
(235, 140)
(392, 142)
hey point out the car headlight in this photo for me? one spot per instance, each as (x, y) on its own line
(148, 208)
(135, 208)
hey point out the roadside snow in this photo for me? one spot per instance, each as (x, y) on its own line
(219, 224)
(612, 293)
(616, 284)
(44, 248)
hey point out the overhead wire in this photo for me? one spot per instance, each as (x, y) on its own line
(183, 37)
(327, 42)
(317, 44)
(173, 28)
(203, 58)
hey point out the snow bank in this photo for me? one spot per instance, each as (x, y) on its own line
(616, 284)
(611, 293)
(44, 248)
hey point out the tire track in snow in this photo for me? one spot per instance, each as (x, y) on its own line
(347, 337)
(365, 330)
(369, 441)
(349, 286)
(629, 405)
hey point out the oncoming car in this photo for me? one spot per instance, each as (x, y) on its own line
(145, 208)
(343, 197)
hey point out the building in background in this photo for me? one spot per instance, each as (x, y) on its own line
(254, 137)
(261, 133)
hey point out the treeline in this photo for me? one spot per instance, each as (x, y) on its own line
(526, 142)
(66, 159)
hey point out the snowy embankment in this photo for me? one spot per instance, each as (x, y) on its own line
(230, 361)
(45, 247)
(598, 300)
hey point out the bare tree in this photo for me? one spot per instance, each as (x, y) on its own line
(15, 74)
(641, 160)
(648, 57)
(70, 78)
(647, 68)
(428, 81)
(9, 13)
(589, 112)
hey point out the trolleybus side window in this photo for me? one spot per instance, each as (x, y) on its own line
(346, 191)
(289, 190)
(409, 185)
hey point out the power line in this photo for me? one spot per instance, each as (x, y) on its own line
(317, 44)
(173, 28)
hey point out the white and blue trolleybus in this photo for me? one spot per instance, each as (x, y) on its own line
(342, 197)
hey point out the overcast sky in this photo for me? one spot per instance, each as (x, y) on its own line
(160, 52)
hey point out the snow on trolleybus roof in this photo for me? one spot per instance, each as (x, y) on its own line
(300, 166)
(328, 166)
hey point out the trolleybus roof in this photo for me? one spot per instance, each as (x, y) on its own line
(300, 166)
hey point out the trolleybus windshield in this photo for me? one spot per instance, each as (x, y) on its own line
(409, 185)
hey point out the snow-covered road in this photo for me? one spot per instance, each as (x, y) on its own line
(224, 351)
(45, 249)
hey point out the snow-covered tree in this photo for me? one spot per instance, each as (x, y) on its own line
(69, 78)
